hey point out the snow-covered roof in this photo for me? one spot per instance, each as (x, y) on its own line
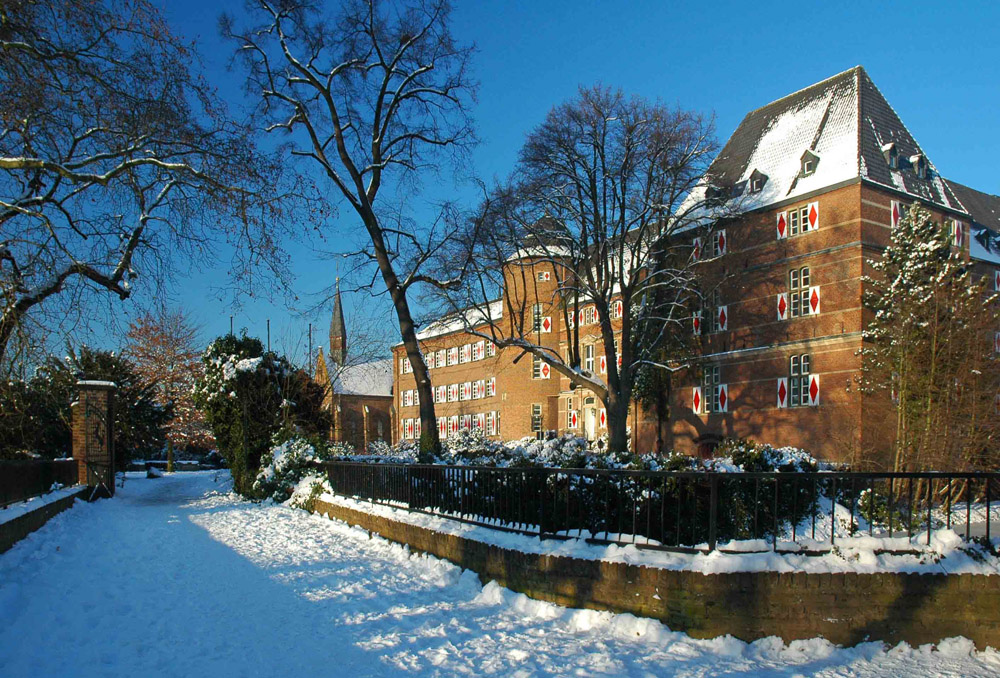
(846, 123)
(469, 317)
(372, 379)
(985, 212)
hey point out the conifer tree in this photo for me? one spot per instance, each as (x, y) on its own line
(929, 348)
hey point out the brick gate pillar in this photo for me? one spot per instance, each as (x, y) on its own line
(93, 436)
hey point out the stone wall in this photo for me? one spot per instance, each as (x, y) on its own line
(17, 529)
(845, 608)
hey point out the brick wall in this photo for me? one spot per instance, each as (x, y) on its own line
(845, 608)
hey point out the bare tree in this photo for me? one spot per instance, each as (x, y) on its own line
(116, 160)
(606, 192)
(374, 92)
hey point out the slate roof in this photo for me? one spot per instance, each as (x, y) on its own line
(985, 212)
(370, 379)
(845, 121)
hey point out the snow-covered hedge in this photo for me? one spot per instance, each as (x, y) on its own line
(286, 464)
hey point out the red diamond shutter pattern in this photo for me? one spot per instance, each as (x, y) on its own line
(696, 319)
(604, 418)
(721, 239)
(546, 325)
(783, 392)
(603, 364)
(619, 306)
(723, 318)
(572, 418)
(782, 225)
(814, 306)
(896, 212)
(723, 398)
(696, 399)
(783, 306)
(696, 249)
(813, 216)
(959, 234)
(813, 390)
(546, 370)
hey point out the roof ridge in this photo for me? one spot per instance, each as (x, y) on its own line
(803, 89)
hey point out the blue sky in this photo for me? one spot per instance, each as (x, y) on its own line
(937, 64)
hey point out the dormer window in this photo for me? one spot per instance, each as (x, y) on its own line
(891, 154)
(919, 164)
(809, 162)
(757, 181)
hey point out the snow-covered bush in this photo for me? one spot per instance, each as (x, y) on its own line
(285, 465)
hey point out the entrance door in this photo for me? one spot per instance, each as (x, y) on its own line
(590, 422)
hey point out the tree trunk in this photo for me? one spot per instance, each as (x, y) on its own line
(170, 456)
(617, 422)
(430, 443)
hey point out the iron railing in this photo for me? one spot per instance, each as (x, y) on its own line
(686, 511)
(24, 479)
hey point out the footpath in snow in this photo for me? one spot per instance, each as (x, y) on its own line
(177, 577)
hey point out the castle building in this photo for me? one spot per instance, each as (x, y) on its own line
(358, 394)
(825, 173)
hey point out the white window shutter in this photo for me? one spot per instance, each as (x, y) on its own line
(696, 400)
(545, 370)
(721, 239)
(604, 418)
(814, 299)
(723, 318)
(813, 390)
(958, 233)
(696, 249)
(782, 306)
(996, 280)
(782, 225)
(812, 217)
(603, 364)
(723, 398)
(696, 318)
(895, 212)
(782, 392)
(573, 419)
(546, 325)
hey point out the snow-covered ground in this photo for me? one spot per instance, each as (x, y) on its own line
(176, 577)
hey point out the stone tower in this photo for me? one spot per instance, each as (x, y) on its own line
(338, 331)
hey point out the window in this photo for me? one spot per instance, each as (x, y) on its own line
(544, 276)
(453, 355)
(479, 350)
(536, 418)
(537, 368)
(466, 354)
(809, 162)
(798, 220)
(536, 318)
(491, 387)
(453, 424)
(719, 243)
(798, 291)
(466, 392)
(493, 423)
(452, 393)
(407, 398)
(891, 154)
(439, 358)
(480, 391)
(710, 390)
(441, 394)
(588, 358)
(491, 349)
(798, 381)
(617, 308)
(715, 304)
(589, 316)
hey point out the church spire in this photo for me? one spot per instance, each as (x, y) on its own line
(338, 331)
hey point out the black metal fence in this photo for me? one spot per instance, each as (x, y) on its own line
(23, 479)
(686, 511)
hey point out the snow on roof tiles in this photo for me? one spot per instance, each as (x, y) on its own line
(372, 379)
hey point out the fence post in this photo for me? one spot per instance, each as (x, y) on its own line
(541, 503)
(713, 510)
